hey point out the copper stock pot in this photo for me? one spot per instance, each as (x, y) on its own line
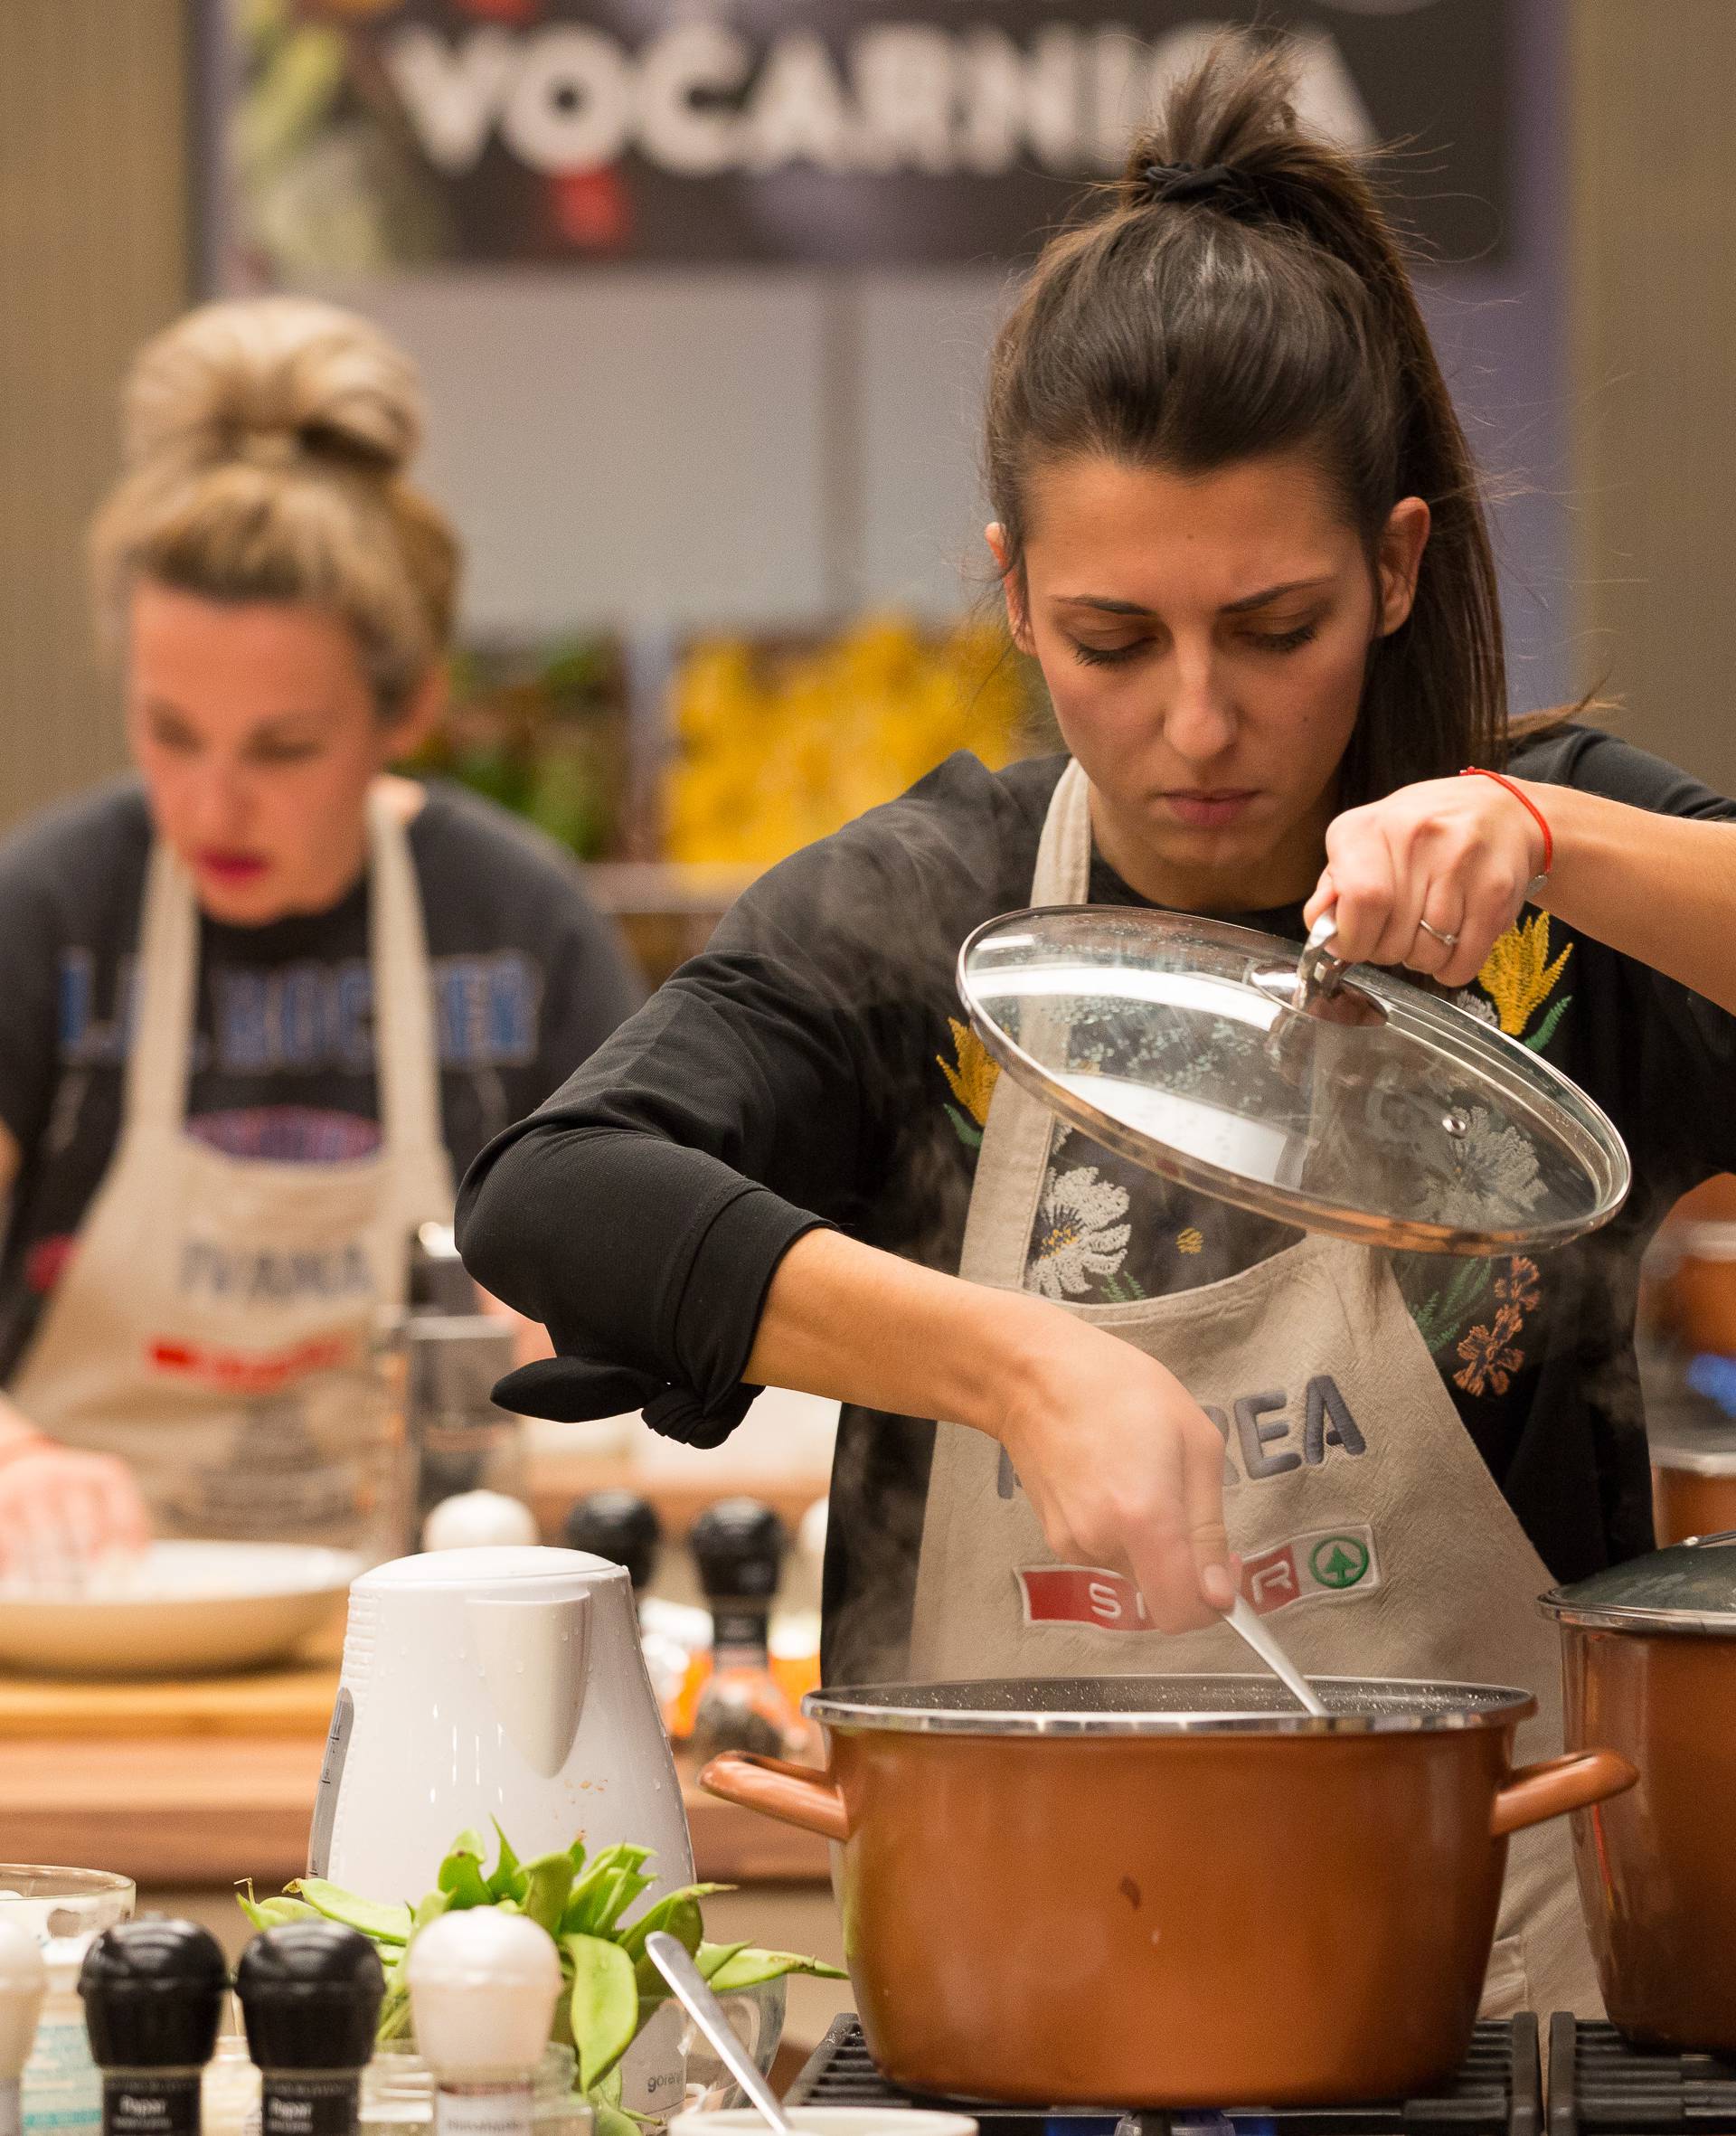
(1168, 1891)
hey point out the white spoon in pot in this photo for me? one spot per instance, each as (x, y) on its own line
(1242, 1618)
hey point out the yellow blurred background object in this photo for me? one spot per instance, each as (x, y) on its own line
(778, 746)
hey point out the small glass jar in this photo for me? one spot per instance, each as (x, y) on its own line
(398, 2087)
(397, 2094)
(228, 2097)
(62, 1909)
(756, 2017)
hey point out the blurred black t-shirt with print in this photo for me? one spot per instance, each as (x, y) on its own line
(528, 979)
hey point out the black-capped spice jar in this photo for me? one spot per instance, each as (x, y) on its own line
(310, 1993)
(153, 1993)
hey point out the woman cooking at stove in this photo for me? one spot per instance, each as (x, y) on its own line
(221, 1108)
(1236, 524)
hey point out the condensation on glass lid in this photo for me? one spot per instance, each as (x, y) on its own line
(1387, 1114)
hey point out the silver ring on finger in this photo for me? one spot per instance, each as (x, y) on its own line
(1439, 934)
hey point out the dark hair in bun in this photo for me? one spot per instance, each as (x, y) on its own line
(1248, 295)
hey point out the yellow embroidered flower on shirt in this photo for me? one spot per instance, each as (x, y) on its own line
(973, 1079)
(1518, 976)
(1190, 1241)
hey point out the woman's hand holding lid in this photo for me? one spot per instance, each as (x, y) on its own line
(1430, 877)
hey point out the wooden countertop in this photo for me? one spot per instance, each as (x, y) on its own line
(201, 1782)
(208, 1809)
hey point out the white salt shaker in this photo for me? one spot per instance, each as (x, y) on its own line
(483, 1987)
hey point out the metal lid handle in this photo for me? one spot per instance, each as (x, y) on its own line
(1317, 970)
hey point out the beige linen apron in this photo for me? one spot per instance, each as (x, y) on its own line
(216, 1325)
(1366, 1519)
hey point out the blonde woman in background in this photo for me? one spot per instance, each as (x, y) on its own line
(222, 1111)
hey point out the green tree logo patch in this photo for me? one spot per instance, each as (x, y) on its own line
(1339, 1561)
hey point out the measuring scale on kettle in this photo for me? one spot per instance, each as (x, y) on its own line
(505, 1685)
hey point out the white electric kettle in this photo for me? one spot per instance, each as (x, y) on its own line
(497, 1684)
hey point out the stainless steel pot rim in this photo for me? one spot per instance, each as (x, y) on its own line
(1121, 1706)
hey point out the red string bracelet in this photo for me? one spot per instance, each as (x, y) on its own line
(1524, 801)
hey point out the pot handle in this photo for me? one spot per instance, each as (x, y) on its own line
(1534, 1794)
(793, 1794)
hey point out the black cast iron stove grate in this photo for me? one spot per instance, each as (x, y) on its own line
(1601, 2086)
(1497, 2091)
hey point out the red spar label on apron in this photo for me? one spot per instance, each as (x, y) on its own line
(1315, 1567)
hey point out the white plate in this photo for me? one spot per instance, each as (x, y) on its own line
(178, 1608)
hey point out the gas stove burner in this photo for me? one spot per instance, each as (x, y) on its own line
(1497, 2091)
(1601, 2085)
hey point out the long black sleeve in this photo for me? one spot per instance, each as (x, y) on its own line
(635, 1215)
(781, 1079)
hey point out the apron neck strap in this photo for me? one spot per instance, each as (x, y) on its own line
(166, 987)
(406, 1042)
(165, 971)
(1062, 876)
(1012, 1165)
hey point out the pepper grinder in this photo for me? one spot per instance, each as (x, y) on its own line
(483, 1987)
(623, 1528)
(152, 1994)
(310, 1994)
(739, 1546)
(23, 1981)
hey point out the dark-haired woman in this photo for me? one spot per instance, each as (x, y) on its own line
(1237, 526)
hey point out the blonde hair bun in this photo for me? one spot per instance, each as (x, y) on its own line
(266, 440)
(268, 380)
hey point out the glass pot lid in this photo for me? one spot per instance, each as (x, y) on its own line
(1691, 1587)
(1339, 1099)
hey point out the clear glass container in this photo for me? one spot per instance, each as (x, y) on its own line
(1357, 1105)
(756, 2017)
(53, 1904)
(62, 1909)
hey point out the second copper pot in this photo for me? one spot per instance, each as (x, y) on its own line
(1650, 1667)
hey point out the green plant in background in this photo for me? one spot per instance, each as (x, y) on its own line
(544, 735)
(611, 1988)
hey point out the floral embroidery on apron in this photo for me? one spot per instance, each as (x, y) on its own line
(1360, 1506)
